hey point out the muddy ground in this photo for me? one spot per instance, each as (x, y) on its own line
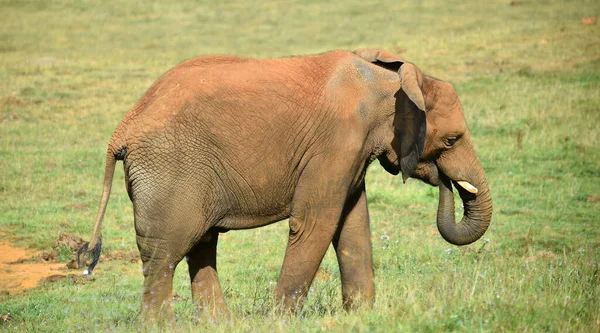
(21, 269)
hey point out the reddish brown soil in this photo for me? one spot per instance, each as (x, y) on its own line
(17, 274)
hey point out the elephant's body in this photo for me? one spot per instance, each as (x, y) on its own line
(224, 140)
(221, 143)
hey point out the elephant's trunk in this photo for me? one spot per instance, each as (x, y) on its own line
(477, 216)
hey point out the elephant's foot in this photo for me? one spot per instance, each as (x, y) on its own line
(212, 311)
(156, 313)
(209, 301)
(358, 299)
(289, 301)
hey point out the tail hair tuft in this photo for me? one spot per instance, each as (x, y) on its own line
(94, 254)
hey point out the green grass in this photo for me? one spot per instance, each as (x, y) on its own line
(528, 76)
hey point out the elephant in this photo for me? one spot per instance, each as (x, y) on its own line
(222, 143)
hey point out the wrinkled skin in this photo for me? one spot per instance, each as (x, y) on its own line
(223, 143)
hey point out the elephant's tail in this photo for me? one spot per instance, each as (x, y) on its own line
(92, 249)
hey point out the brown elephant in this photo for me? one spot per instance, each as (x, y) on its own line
(221, 143)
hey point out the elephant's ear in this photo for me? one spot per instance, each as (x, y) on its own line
(411, 80)
(410, 123)
(382, 58)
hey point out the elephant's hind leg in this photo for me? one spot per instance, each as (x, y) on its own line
(164, 237)
(206, 290)
(158, 268)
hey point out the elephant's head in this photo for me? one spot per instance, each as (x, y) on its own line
(445, 157)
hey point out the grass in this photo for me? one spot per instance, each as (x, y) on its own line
(528, 74)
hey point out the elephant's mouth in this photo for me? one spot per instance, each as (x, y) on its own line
(428, 173)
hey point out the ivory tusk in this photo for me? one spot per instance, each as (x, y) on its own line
(467, 186)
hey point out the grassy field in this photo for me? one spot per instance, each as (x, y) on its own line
(527, 72)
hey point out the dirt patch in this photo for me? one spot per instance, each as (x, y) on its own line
(322, 274)
(589, 20)
(130, 256)
(593, 198)
(17, 274)
(13, 100)
(71, 241)
(77, 206)
(21, 269)
(548, 256)
(5, 318)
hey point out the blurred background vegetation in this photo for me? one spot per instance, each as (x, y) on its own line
(527, 73)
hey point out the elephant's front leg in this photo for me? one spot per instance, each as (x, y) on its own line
(307, 244)
(202, 264)
(315, 216)
(352, 244)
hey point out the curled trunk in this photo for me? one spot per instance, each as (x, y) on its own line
(477, 216)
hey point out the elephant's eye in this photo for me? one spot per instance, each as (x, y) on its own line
(451, 141)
